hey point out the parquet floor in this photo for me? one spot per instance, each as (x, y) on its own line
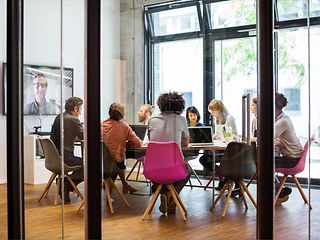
(44, 221)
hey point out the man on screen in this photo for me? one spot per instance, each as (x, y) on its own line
(40, 105)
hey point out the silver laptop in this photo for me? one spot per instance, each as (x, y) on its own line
(200, 136)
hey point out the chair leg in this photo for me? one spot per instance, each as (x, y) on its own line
(248, 193)
(58, 185)
(133, 167)
(210, 180)
(152, 202)
(282, 182)
(242, 195)
(118, 192)
(139, 166)
(177, 194)
(177, 202)
(46, 190)
(252, 178)
(108, 195)
(194, 173)
(231, 186)
(225, 186)
(74, 186)
(190, 183)
(81, 205)
(300, 190)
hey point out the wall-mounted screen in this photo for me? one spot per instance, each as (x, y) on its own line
(42, 89)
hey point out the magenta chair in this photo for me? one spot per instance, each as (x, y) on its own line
(164, 164)
(293, 171)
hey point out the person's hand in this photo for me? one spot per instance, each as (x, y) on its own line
(215, 137)
(278, 143)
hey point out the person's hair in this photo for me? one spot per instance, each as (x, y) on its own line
(254, 100)
(116, 111)
(217, 105)
(41, 75)
(171, 101)
(73, 102)
(280, 101)
(194, 110)
(149, 108)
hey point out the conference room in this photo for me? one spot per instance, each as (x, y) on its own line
(132, 52)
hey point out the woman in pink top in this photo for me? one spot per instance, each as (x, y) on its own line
(117, 135)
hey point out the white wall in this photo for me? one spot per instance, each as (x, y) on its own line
(42, 47)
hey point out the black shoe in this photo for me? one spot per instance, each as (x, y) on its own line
(235, 192)
(286, 191)
(66, 194)
(220, 185)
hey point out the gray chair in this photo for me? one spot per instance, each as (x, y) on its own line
(238, 162)
(53, 163)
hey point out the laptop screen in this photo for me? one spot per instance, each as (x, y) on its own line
(140, 130)
(200, 134)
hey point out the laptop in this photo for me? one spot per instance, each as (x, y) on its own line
(140, 130)
(200, 136)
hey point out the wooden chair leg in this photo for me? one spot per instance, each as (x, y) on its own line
(223, 190)
(282, 182)
(300, 190)
(133, 167)
(231, 186)
(248, 193)
(152, 202)
(58, 185)
(81, 205)
(177, 202)
(108, 195)
(74, 187)
(46, 190)
(177, 194)
(118, 192)
(242, 195)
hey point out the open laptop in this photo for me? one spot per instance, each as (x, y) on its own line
(200, 136)
(140, 130)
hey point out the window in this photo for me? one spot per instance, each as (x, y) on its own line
(293, 97)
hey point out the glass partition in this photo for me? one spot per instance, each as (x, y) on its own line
(3, 123)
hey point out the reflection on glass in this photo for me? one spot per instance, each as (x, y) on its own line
(175, 21)
(232, 13)
(235, 73)
(178, 66)
(295, 9)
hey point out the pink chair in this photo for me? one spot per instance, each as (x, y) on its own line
(293, 171)
(164, 164)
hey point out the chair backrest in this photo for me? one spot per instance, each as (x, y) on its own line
(300, 165)
(108, 163)
(164, 163)
(238, 161)
(51, 154)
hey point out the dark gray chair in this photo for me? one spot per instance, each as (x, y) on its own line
(238, 162)
(53, 163)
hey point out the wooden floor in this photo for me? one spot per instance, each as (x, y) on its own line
(44, 221)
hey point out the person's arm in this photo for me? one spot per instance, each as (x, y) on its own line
(185, 135)
(133, 139)
(78, 129)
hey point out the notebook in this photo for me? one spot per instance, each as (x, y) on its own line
(200, 136)
(140, 130)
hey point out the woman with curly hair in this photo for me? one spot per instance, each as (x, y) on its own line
(167, 126)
